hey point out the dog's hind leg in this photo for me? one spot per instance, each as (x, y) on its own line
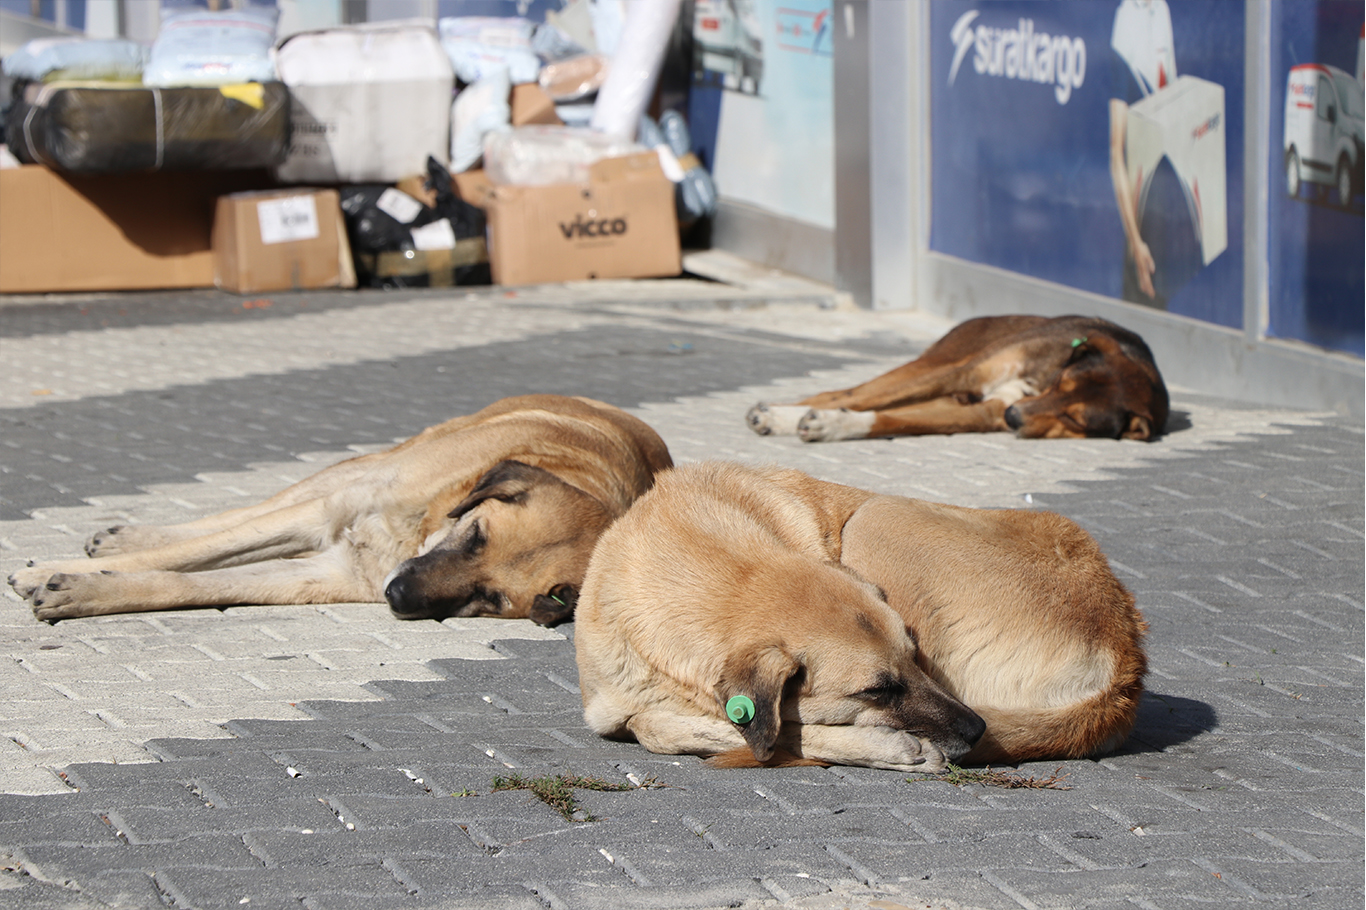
(668, 733)
(121, 539)
(323, 578)
(943, 415)
(294, 531)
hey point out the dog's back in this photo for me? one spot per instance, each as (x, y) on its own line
(1016, 613)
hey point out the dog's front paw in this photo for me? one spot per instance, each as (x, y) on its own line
(125, 539)
(106, 542)
(898, 750)
(63, 596)
(775, 419)
(28, 580)
(830, 425)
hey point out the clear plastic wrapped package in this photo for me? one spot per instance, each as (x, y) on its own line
(479, 44)
(543, 155)
(200, 47)
(67, 59)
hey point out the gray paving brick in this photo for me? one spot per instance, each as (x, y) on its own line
(1240, 533)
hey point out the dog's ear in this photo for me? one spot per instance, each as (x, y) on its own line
(761, 676)
(1139, 428)
(507, 481)
(555, 607)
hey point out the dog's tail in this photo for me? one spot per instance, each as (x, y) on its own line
(1085, 729)
(744, 758)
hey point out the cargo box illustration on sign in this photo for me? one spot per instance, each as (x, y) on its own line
(1175, 152)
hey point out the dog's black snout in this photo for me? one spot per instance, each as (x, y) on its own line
(971, 727)
(1014, 419)
(399, 593)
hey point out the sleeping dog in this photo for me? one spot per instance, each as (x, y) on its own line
(491, 514)
(762, 616)
(1072, 376)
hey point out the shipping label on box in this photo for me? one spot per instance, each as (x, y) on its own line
(620, 224)
(1184, 124)
(281, 240)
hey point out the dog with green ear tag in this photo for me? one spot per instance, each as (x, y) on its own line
(759, 616)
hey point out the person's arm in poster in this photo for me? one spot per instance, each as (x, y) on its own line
(1124, 197)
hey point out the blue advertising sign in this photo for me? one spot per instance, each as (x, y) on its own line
(1315, 212)
(1096, 145)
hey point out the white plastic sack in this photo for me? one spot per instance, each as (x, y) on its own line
(541, 155)
(480, 109)
(198, 47)
(368, 104)
(477, 45)
(77, 59)
(635, 66)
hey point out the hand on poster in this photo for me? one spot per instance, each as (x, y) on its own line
(1144, 265)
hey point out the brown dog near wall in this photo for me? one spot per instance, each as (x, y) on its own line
(864, 629)
(491, 514)
(1072, 376)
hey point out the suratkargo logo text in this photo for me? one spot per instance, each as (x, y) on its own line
(592, 227)
(1020, 53)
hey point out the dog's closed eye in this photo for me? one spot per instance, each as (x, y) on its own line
(887, 690)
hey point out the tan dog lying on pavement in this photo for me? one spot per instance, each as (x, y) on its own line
(865, 629)
(492, 514)
(1072, 376)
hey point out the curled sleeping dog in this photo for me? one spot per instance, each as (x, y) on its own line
(864, 629)
(1073, 376)
(490, 514)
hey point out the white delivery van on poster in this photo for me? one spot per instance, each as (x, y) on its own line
(368, 103)
(1323, 130)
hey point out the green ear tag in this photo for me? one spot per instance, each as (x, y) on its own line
(740, 708)
(1078, 342)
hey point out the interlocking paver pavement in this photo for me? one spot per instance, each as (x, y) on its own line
(332, 757)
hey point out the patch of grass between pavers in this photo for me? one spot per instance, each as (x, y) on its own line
(996, 777)
(557, 791)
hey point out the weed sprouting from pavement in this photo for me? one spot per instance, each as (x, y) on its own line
(995, 777)
(557, 791)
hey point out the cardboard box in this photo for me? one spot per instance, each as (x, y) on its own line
(280, 240)
(620, 224)
(110, 232)
(369, 103)
(1184, 123)
(530, 104)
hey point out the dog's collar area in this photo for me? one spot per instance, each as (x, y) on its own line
(740, 709)
(1078, 342)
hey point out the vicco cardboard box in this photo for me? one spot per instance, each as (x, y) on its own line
(110, 232)
(619, 224)
(280, 240)
(1182, 124)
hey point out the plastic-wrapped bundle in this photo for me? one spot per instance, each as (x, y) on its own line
(479, 44)
(99, 128)
(68, 59)
(399, 241)
(198, 47)
(695, 193)
(541, 155)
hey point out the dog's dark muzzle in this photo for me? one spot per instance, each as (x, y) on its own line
(1014, 419)
(404, 601)
(432, 586)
